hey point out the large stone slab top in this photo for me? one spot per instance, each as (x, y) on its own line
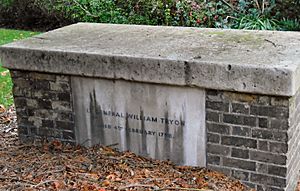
(264, 62)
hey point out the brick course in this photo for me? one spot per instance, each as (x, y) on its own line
(254, 138)
(44, 106)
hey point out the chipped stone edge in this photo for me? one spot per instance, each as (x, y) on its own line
(267, 80)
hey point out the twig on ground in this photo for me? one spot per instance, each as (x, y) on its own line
(139, 185)
(50, 172)
(213, 186)
(191, 189)
(112, 145)
(15, 147)
(158, 189)
(44, 182)
(16, 179)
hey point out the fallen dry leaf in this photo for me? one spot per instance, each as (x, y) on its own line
(2, 109)
(105, 183)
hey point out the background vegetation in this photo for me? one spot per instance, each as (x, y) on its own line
(237, 14)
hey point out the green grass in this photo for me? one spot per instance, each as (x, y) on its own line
(7, 36)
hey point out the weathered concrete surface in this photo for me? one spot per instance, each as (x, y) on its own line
(247, 61)
(161, 122)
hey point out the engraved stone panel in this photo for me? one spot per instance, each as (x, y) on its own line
(157, 121)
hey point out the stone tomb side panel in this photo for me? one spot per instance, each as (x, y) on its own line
(152, 120)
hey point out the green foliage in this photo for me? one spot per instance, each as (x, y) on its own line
(256, 19)
(256, 23)
(254, 16)
(104, 11)
(6, 97)
(239, 14)
(6, 3)
(289, 25)
(7, 36)
(151, 12)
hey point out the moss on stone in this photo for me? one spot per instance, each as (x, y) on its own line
(247, 38)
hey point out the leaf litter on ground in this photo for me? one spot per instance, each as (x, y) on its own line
(57, 166)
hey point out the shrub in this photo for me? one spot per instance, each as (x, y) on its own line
(240, 14)
(6, 3)
(255, 22)
(151, 12)
(85, 10)
(27, 14)
(288, 9)
(289, 25)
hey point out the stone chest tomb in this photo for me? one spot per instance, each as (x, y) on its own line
(225, 99)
